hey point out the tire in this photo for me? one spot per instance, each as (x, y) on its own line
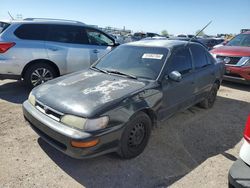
(208, 102)
(135, 136)
(41, 72)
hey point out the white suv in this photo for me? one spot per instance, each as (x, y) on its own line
(37, 49)
(239, 174)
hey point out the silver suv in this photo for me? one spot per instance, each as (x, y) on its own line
(38, 50)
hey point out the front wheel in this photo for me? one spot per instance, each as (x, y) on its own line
(135, 136)
(208, 102)
(38, 73)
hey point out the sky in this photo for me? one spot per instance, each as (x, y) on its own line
(175, 16)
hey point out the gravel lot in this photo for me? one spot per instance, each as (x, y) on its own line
(195, 148)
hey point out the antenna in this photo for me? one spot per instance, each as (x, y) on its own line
(199, 32)
(10, 16)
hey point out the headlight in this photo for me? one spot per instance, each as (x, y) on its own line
(244, 61)
(85, 124)
(32, 99)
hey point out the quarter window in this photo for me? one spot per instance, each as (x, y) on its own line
(97, 38)
(180, 61)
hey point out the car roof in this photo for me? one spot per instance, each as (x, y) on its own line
(158, 43)
(44, 21)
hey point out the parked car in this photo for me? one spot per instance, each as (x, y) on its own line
(236, 55)
(38, 50)
(211, 42)
(239, 174)
(112, 106)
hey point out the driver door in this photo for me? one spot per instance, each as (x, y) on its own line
(178, 95)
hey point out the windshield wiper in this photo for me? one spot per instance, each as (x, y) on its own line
(100, 70)
(121, 73)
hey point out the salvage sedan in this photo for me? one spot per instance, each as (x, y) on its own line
(112, 106)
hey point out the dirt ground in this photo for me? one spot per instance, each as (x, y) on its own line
(195, 148)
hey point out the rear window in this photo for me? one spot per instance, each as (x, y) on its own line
(3, 26)
(32, 31)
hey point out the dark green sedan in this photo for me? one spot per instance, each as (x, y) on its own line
(113, 105)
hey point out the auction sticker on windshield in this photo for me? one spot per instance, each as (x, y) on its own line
(152, 56)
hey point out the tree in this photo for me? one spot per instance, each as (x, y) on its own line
(164, 33)
(201, 33)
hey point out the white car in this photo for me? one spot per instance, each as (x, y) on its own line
(239, 174)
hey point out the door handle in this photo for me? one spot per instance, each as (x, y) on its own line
(95, 51)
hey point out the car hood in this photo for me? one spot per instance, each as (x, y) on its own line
(86, 93)
(232, 51)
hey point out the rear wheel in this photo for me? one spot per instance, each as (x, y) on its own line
(208, 102)
(135, 136)
(39, 73)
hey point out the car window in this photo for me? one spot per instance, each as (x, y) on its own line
(67, 34)
(3, 26)
(180, 61)
(32, 31)
(240, 40)
(97, 38)
(199, 57)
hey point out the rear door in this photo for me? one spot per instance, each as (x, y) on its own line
(68, 47)
(178, 95)
(204, 71)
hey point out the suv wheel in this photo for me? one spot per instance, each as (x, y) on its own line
(210, 99)
(39, 73)
(135, 136)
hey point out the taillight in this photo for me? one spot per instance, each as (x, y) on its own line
(4, 46)
(247, 130)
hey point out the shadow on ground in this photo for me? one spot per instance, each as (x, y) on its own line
(14, 91)
(176, 147)
(243, 87)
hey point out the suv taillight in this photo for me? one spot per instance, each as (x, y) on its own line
(247, 130)
(4, 46)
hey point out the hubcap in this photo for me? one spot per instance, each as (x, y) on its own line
(40, 76)
(137, 135)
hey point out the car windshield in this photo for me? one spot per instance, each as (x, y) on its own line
(139, 62)
(240, 40)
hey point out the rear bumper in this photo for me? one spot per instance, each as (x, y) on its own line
(60, 136)
(239, 174)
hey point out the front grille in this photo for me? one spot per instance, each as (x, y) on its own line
(232, 60)
(54, 114)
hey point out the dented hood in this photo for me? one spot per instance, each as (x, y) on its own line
(86, 93)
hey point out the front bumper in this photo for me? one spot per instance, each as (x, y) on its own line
(239, 174)
(60, 136)
(237, 74)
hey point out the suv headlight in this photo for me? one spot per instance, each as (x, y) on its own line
(244, 61)
(85, 124)
(32, 99)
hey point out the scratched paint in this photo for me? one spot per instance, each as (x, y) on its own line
(106, 87)
(77, 78)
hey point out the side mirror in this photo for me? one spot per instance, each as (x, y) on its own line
(175, 76)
